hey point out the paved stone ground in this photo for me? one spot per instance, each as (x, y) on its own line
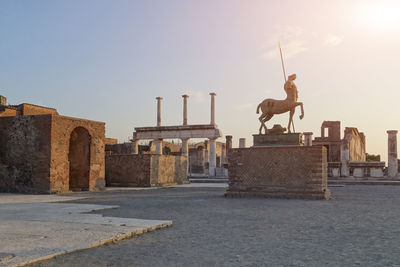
(360, 227)
(32, 229)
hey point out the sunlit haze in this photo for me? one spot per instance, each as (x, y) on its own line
(109, 60)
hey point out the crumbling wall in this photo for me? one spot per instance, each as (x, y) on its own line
(25, 153)
(356, 144)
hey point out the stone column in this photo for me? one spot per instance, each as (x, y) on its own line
(242, 142)
(185, 147)
(136, 146)
(223, 154)
(392, 153)
(212, 161)
(159, 146)
(212, 108)
(185, 120)
(308, 138)
(344, 159)
(228, 141)
(159, 110)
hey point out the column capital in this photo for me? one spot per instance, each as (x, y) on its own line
(185, 96)
(213, 94)
(159, 98)
(391, 131)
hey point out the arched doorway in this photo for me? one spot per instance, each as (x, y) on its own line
(79, 159)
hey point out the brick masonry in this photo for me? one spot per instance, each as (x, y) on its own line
(282, 172)
(145, 170)
(34, 153)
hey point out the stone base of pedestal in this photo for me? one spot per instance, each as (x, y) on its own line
(278, 172)
(286, 139)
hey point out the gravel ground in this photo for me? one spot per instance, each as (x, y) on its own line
(359, 227)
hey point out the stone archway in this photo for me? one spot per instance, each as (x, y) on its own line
(79, 159)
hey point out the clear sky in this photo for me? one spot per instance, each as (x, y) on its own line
(108, 60)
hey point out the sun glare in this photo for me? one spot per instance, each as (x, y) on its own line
(381, 15)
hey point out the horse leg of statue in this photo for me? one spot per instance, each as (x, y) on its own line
(267, 118)
(290, 119)
(302, 111)
(261, 118)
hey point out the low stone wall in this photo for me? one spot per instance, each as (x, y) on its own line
(283, 172)
(145, 170)
(367, 169)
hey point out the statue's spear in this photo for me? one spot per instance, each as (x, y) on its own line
(284, 73)
(283, 65)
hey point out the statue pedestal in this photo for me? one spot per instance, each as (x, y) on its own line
(285, 139)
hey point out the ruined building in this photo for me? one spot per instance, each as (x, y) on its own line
(347, 155)
(41, 151)
(353, 141)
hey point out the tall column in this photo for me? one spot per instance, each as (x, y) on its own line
(344, 159)
(158, 146)
(136, 146)
(212, 107)
(185, 120)
(242, 142)
(223, 154)
(159, 110)
(392, 153)
(185, 147)
(228, 142)
(212, 158)
(308, 138)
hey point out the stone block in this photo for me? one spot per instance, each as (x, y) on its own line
(288, 139)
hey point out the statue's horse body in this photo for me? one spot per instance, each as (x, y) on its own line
(270, 107)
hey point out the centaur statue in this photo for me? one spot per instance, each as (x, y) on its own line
(270, 107)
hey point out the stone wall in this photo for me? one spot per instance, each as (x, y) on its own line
(168, 170)
(128, 170)
(265, 172)
(124, 148)
(145, 170)
(25, 153)
(34, 153)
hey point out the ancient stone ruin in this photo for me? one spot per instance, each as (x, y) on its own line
(41, 151)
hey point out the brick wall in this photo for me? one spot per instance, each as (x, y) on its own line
(284, 172)
(145, 170)
(62, 128)
(29, 109)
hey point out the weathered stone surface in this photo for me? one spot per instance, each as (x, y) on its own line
(181, 131)
(289, 139)
(392, 153)
(34, 153)
(265, 172)
(145, 170)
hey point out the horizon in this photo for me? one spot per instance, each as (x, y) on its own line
(108, 62)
